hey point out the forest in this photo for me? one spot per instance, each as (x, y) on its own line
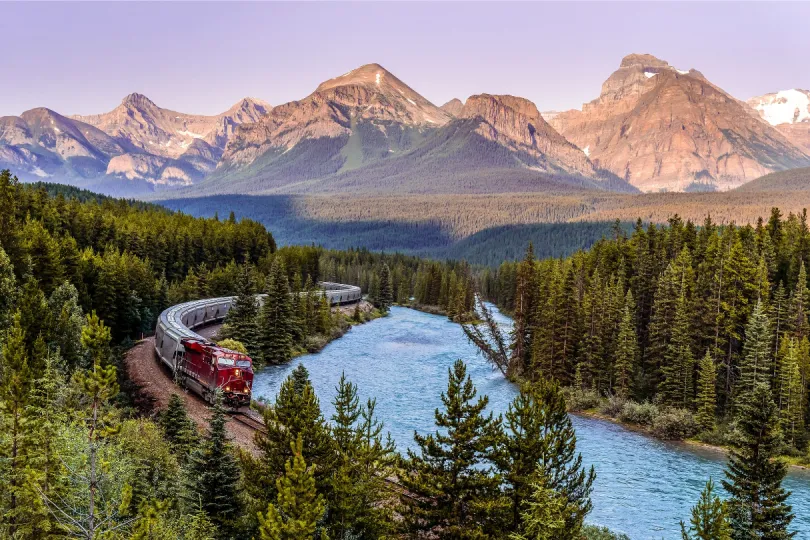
(81, 277)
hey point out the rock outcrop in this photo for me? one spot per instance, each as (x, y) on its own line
(661, 128)
(453, 107)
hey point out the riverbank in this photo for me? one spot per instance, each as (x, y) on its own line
(691, 442)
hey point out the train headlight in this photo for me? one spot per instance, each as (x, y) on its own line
(227, 388)
(237, 372)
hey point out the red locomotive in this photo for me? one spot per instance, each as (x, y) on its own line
(207, 367)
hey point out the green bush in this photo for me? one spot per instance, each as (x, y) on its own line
(639, 413)
(675, 424)
(592, 532)
(581, 400)
(612, 406)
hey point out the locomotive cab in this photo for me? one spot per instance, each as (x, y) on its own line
(208, 368)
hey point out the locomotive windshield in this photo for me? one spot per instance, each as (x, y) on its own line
(243, 363)
(224, 361)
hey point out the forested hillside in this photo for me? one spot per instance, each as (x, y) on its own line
(688, 318)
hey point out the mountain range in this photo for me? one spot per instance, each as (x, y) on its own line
(652, 128)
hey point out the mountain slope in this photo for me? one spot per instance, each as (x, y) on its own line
(366, 131)
(661, 128)
(789, 112)
(170, 147)
(41, 143)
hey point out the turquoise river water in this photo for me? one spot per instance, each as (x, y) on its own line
(643, 488)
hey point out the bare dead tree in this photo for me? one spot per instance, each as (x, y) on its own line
(490, 340)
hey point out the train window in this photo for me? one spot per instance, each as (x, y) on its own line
(222, 361)
(243, 363)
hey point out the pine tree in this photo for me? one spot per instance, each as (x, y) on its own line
(757, 364)
(275, 335)
(539, 439)
(457, 492)
(709, 520)
(241, 322)
(178, 428)
(792, 395)
(296, 412)
(357, 502)
(212, 481)
(799, 305)
(627, 352)
(15, 395)
(545, 515)
(8, 291)
(757, 507)
(386, 298)
(707, 393)
(298, 506)
(677, 387)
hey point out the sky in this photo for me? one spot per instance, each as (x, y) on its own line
(83, 58)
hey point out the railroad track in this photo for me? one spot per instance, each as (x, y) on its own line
(249, 421)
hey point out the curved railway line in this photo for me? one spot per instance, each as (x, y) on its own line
(153, 363)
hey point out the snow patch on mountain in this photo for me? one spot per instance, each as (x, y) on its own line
(784, 107)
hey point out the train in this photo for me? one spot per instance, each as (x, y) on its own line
(204, 367)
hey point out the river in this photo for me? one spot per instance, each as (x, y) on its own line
(643, 488)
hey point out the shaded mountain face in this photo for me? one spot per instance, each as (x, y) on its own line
(789, 112)
(368, 131)
(661, 128)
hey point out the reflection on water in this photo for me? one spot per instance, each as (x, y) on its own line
(643, 488)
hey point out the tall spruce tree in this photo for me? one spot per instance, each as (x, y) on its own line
(212, 481)
(625, 364)
(457, 494)
(757, 500)
(386, 297)
(709, 520)
(677, 387)
(544, 517)
(757, 363)
(275, 335)
(241, 322)
(707, 393)
(295, 412)
(539, 443)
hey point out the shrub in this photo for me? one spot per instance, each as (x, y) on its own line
(675, 424)
(613, 406)
(592, 532)
(581, 400)
(639, 413)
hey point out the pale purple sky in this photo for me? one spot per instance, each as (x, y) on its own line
(203, 57)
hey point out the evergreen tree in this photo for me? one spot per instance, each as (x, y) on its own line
(799, 305)
(677, 387)
(791, 395)
(757, 507)
(545, 515)
(178, 428)
(275, 335)
(709, 520)
(757, 364)
(539, 443)
(8, 290)
(241, 321)
(707, 393)
(627, 352)
(457, 494)
(386, 298)
(212, 476)
(296, 412)
(298, 506)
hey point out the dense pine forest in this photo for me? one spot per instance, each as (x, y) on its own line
(671, 327)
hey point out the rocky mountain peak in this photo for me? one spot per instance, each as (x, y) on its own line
(138, 101)
(453, 107)
(642, 60)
